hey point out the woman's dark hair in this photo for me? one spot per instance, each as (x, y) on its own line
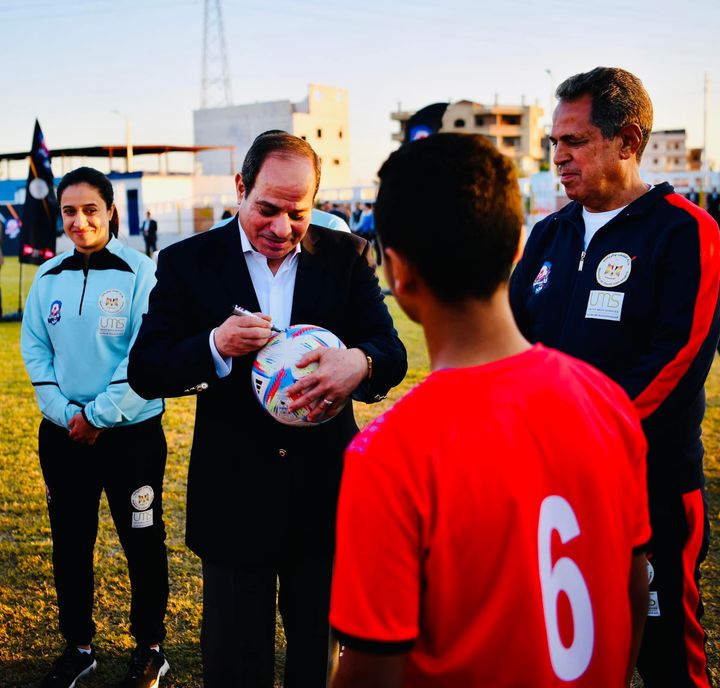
(96, 179)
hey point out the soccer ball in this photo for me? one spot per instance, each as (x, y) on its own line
(275, 370)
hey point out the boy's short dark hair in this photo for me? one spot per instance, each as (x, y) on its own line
(451, 204)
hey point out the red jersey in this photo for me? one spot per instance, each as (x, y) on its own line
(488, 521)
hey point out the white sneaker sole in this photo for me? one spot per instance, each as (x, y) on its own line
(163, 670)
(87, 671)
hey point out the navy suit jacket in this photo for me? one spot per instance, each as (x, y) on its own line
(259, 491)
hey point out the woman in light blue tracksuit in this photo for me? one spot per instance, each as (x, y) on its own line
(82, 315)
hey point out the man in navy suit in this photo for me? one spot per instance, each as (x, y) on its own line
(149, 230)
(261, 495)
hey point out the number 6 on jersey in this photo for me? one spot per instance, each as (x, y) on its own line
(569, 663)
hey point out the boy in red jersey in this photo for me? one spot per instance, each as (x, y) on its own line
(491, 525)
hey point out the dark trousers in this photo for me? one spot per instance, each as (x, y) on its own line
(673, 646)
(150, 244)
(124, 462)
(238, 628)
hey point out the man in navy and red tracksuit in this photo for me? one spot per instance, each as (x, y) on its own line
(627, 277)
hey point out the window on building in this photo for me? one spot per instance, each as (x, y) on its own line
(459, 123)
(654, 146)
(336, 161)
(340, 134)
(655, 161)
(319, 133)
(479, 120)
(513, 120)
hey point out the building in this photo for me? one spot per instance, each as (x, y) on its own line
(322, 119)
(514, 129)
(665, 152)
(181, 202)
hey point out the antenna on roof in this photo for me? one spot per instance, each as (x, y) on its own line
(215, 74)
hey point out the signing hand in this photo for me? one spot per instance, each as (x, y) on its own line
(81, 431)
(338, 374)
(242, 334)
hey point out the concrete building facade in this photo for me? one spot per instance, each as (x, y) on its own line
(665, 152)
(322, 119)
(515, 130)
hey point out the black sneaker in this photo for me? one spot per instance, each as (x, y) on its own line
(69, 667)
(146, 668)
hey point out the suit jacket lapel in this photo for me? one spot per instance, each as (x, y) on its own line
(310, 282)
(234, 274)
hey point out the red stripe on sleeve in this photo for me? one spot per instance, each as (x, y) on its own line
(694, 634)
(667, 379)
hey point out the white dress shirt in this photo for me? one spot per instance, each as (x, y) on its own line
(274, 292)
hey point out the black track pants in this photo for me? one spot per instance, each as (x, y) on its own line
(128, 463)
(673, 646)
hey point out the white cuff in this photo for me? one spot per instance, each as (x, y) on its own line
(223, 366)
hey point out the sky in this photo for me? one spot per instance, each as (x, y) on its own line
(85, 68)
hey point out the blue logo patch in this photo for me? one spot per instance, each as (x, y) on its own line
(54, 317)
(543, 277)
(421, 131)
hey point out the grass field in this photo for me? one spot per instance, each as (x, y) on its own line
(28, 626)
(28, 617)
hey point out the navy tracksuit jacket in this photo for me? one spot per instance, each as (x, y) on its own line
(641, 304)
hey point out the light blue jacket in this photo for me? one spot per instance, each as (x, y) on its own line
(77, 330)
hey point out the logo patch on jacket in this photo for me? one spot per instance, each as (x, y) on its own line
(543, 277)
(54, 317)
(110, 326)
(111, 301)
(613, 269)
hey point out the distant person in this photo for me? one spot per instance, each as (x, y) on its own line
(336, 210)
(491, 525)
(712, 204)
(366, 226)
(626, 277)
(149, 230)
(355, 216)
(320, 218)
(693, 196)
(82, 314)
(366, 229)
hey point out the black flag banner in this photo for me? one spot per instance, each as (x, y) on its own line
(40, 212)
(425, 122)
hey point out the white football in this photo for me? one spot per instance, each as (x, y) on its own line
(275, 369)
